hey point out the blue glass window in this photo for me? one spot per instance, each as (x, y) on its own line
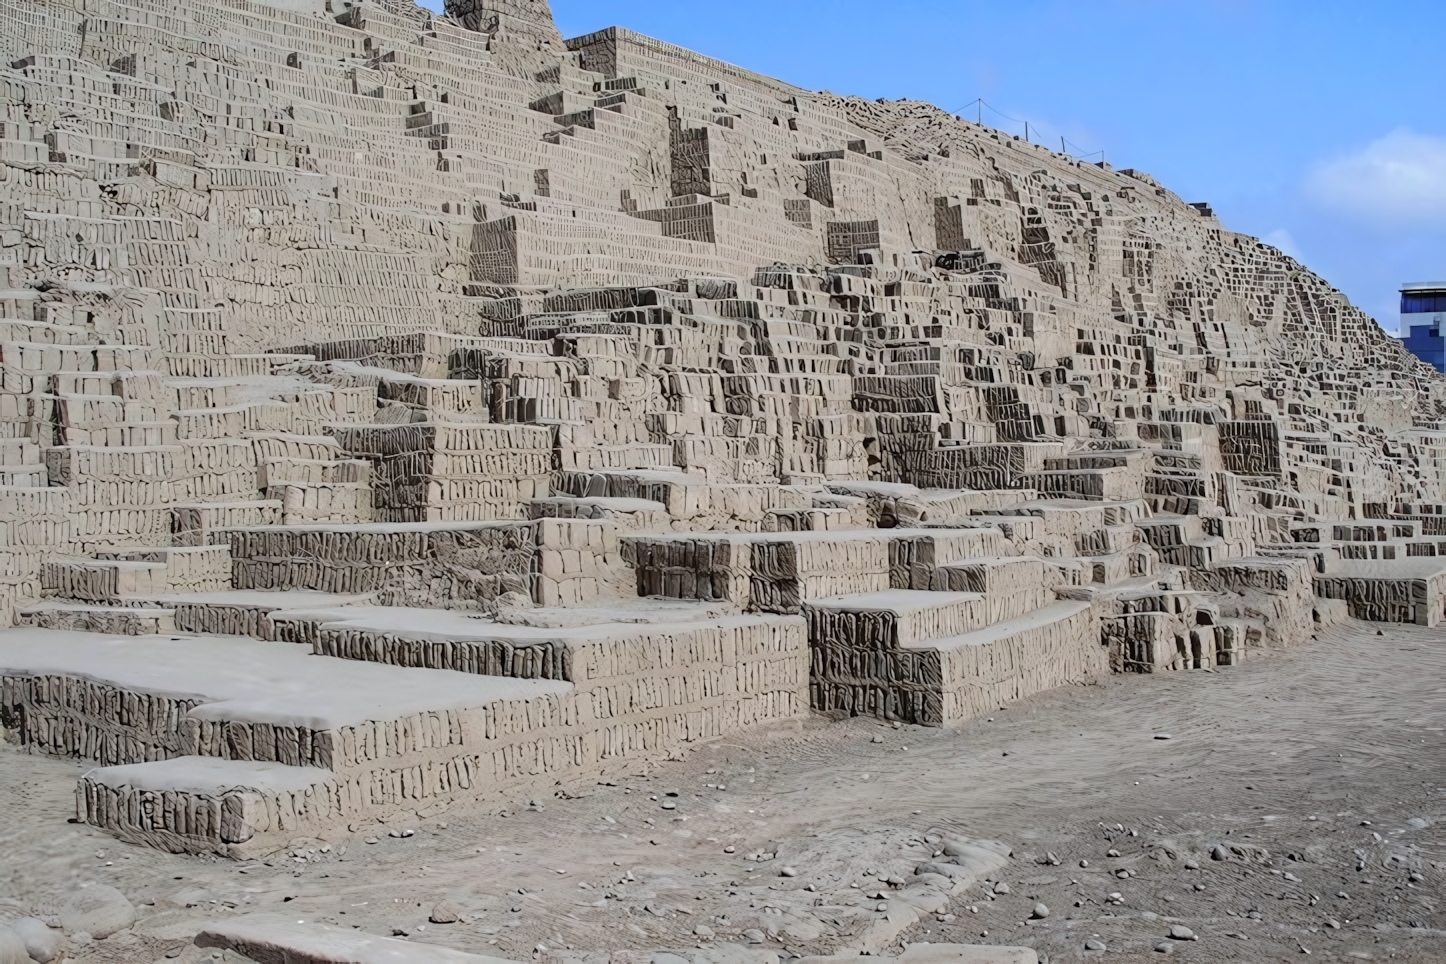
(1413, 303)
(1426, 343)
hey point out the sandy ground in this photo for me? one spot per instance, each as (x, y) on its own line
(1320, 773)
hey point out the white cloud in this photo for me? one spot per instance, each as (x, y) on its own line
(1399, 178)
(1280, 239)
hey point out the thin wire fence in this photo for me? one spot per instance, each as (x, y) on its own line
(1067, 148)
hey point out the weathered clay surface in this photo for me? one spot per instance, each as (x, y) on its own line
(401, 411)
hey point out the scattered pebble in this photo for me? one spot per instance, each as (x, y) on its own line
(444, 913)
(1180, 932)
(1084, 863)
(1095, 944)
(1163, 736)
(1165, 947)
(788, 872)
(1001, 888)
(1040, 912)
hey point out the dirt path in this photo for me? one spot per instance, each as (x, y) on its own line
(1319, 772)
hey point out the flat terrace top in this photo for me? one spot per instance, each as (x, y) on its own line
(1285, 561)
(887, 490)
(384, 528)
(891, 600)
(1166, 518)
(271, 600)
(1039, 506)
(72, 605)
(617, 504)
(300, 937)
(443, 625)
(252, 681)
(808, 535)
(1411, 567)
(989, 561)
(210, 776)
(1056, 612)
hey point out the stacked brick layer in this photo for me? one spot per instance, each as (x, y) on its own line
(304, 307)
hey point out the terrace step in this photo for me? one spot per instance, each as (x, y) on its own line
(281, 937)
(89, 618)
(946, 679)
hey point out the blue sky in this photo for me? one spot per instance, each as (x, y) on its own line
(1318, 126)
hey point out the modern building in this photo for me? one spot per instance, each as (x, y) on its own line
(1423, 309)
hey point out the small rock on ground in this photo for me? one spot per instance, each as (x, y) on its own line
(42, 942)
(99, 910)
